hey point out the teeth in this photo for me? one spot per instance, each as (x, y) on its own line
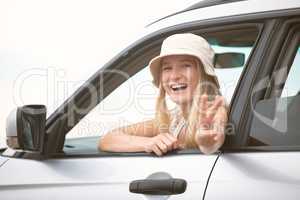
(178, 86)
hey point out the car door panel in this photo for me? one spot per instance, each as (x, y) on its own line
(102, 177)
(255, 175)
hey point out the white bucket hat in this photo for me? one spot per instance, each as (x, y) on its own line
(185, 44)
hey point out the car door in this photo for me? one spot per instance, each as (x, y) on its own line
(263, 162)
(76, 176)
(76, 169)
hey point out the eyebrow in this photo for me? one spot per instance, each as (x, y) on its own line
(186, 60)
(181, 60)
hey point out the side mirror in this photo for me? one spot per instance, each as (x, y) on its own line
(25, 128)
(229, 60)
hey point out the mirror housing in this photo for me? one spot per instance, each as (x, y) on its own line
(25, 128)
(229, 60)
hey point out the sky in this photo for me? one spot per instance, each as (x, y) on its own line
(49, 47)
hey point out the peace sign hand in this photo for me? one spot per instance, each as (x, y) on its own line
(211, 122)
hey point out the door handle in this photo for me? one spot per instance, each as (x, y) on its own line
(168, 186)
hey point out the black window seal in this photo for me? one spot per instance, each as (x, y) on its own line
(124, 154)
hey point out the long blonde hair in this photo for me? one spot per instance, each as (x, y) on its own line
(206, 85)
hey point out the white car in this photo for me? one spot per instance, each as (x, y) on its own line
(258, 57)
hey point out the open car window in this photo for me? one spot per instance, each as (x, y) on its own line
(276, 121)
(134, 100)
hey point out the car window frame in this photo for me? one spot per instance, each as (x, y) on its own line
(286, 58)
(241, 27)
(280, 54)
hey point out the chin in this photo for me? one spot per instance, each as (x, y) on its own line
(181, 101)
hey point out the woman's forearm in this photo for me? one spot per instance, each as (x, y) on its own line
(117, 141)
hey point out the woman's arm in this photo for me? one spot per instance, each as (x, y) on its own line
(139, 137)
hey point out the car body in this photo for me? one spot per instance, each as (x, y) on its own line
(259, 159)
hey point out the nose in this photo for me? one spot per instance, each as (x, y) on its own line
(175, 74)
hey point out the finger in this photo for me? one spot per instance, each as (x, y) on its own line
(156, 150)
(207, 134)
(208, 139)
(172, 138)
(215, 133)
(172, 141)
(202, 136)
(219, 126)
(167, 142)
(219, 137)
(214, 107)
(162, 146)
(216, 102)
(222, 113)
(181, 146)
(223, 101)
(204, 124)
(220, 120)
(203, 140)
(178, 145)
(203, 105)
(175, 145)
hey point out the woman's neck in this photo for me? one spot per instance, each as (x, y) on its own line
(185, 110)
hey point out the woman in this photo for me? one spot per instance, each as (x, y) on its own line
(183, 71)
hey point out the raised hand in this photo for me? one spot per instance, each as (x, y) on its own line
(212, 119)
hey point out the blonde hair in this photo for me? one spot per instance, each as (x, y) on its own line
(206, 85)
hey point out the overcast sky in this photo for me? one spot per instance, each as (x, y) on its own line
(68, 38)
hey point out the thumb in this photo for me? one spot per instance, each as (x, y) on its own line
(181, 146)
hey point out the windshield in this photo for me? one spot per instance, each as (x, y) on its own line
(48, 49)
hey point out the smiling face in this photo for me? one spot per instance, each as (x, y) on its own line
(179, 77)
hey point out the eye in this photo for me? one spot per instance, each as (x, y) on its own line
(187, 65)
(166, 68)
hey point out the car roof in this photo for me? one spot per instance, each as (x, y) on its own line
(210, 9)
(207, 3)
(201, 4)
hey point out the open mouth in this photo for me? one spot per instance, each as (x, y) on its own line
(178, 87)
